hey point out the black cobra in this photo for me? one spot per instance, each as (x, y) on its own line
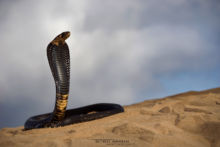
(59, 61)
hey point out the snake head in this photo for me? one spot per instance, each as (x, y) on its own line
(64, 35)
(60, 39)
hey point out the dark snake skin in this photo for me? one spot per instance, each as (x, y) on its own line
(59, 61)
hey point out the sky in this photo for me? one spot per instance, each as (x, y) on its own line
(122, 51)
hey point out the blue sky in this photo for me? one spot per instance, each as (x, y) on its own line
(121, 51)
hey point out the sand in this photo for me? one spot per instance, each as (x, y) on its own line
(190, 119)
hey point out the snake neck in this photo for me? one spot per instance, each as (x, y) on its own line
(60, 106)
(58, 57)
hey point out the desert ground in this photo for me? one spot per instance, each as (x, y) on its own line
(190, 119)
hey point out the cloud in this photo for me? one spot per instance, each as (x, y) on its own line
(119, 51)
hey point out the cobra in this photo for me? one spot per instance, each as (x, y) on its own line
(59, 61)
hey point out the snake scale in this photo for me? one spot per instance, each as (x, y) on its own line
(59, 61)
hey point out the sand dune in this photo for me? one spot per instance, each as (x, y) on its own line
(189, 119)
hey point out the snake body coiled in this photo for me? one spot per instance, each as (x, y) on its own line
(59, 61)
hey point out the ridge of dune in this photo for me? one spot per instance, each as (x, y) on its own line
(190, 119)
